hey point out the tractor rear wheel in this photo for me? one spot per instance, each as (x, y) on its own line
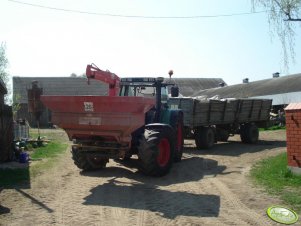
(204, 137)
(156, 151)
(87, 162)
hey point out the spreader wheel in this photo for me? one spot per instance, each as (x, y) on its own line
(87, 162)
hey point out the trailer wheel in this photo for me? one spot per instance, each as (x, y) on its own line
(222, 135)
(85, 162)
(187, 134)
(249, 133)
(180, 139)
(204, 137)
(156, 151)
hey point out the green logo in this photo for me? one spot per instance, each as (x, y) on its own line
(282, 215)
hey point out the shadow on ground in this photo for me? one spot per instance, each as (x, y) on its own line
(14, 174)
(141, 196)
(234, 148)
(148, 193)
(188, 170)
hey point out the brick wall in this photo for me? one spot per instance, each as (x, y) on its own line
(293, 135)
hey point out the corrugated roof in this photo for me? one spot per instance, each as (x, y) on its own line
(284, 84)
(59, 86)
(191, 86)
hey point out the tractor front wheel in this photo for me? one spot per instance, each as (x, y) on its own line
(156, 151)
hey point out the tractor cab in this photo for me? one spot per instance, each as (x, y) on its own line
(148, 87)
(156, 88)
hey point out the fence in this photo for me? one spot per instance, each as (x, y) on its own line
(21, 130)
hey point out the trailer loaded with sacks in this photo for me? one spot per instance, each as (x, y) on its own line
(209, 120)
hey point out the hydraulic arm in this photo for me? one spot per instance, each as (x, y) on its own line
(93, 72)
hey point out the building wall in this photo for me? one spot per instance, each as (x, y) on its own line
(293, 134)
(283, 98)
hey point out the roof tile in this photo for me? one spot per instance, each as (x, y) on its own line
(293, 106)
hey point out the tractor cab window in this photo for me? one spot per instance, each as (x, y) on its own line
(138, 91)
(143, 91)
(164, 94)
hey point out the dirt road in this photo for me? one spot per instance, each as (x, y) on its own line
(206, 188)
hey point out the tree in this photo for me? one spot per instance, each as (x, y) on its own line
(3, 64)
(74, 75)
(283, 16)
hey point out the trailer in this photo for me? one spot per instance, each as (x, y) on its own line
(209, 120)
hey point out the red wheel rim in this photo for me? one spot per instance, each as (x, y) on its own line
(179, 137)
(164, 152)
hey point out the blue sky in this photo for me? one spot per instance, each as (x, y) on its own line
(42, 42)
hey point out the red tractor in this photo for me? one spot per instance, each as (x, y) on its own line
(134, 119)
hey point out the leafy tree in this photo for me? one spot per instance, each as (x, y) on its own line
(283, 17)
(3, 65)
(74, 75)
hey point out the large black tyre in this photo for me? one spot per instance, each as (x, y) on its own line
(187, 134)
(204, 137)
(87, 162)
(179, 139)
(222, 135)
(249, 133)
(156, 151)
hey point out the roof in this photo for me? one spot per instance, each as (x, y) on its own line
(78, 86)
(293, 106)
(59, 86)
(3, 89)
(284, 84)
(191, 86)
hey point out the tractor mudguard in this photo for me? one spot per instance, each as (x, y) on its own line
(174, 117)
(157, 126)
(171, 116)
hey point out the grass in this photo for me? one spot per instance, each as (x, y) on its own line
(274, 176)
(51, 150)
(43, 158)
(49, 155)
(273, 128)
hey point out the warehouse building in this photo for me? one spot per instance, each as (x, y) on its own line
(282, 90)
